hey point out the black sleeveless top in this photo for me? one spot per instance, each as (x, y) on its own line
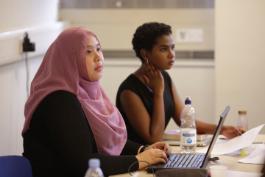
(133, 84)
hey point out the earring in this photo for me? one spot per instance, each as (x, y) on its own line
(147, 62)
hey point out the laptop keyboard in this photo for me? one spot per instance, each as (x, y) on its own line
(185, 160)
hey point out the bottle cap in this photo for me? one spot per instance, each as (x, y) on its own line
(242, 112)
(188, 101)
(94, 163)
(243, 152)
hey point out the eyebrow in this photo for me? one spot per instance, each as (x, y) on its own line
(93, 46)
(166, 45)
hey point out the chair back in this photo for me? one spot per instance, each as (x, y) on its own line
(15, 166)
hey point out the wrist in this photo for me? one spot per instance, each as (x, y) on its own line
(141, 149)
(142, 163)
(158, 93)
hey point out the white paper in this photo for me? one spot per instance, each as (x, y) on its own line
(242, 174)
(237, 143)
(257, 156)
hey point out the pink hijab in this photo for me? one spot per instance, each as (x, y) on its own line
(64, 68)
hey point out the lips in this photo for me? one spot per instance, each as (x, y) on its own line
(171, 62)
(99, 68)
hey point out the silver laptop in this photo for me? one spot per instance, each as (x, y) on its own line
(192, 160)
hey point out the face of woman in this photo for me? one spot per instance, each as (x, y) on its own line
(162, 54)
(94, 59)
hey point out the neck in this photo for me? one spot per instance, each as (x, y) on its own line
(91, 88)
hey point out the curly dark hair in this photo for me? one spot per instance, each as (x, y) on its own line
(146, 35)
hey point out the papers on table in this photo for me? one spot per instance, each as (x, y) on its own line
(256, 156)
(237, 143)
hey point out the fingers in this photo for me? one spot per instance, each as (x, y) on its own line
(161, 160)
(166, 147)
(161, 155)
(164, 157)
(241, 130)
(231, 132)
(146, 79)
(169, 150)
(150, 70)
(237, 131)
(160, 145)
(152, 156)
(153, 78)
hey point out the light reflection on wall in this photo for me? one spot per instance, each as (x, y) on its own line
(137, 4)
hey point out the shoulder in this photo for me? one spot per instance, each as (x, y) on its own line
(59, 99)
(60, 94)
(59, 106)
(130, 83)
(131, 87)
(128, 95)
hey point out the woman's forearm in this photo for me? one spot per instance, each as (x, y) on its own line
(204, 128)
(157, 124)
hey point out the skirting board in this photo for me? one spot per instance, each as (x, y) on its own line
(42, 36)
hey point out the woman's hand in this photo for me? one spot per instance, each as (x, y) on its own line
(153, 78)
(231, 131)
(151, 156)
(159, 145)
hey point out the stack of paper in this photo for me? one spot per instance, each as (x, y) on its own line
(257, 153)
(257, 156)
(237, 143)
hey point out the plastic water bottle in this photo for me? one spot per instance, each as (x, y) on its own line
(94, 169)
(242, 122)
(188, 135)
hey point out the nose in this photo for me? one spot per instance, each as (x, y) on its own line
(98, 56)
(171, 53)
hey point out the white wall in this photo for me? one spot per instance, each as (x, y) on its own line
(13, 97)
(115, 27)
(39, 18)
(240, 57)
(17, 14)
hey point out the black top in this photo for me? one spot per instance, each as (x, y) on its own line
(59, 141)
(133, 84)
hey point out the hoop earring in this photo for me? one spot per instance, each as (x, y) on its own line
(147, 61)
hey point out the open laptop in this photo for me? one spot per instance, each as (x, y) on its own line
(192, 160)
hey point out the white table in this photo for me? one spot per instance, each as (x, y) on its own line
(229, 161)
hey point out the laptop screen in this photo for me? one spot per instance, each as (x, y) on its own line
(215, 135)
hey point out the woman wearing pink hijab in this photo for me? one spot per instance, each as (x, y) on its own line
(69, 118)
